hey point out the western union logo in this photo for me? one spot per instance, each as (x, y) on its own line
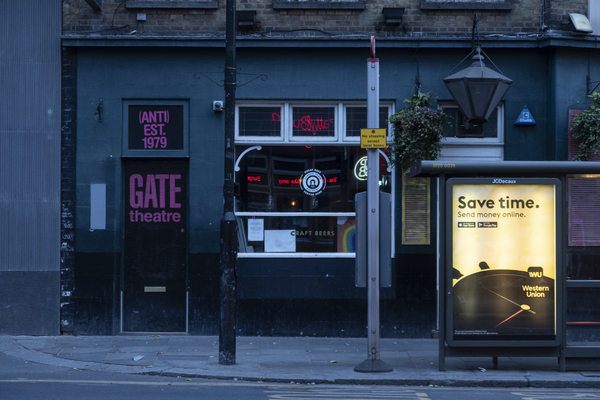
(466, 224)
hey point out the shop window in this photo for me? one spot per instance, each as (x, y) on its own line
(467, 142)
(584, 199)
(314, 122)
(259, 122)
(299, 198)
(356, 119)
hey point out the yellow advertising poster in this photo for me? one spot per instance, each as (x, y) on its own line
(503, 260)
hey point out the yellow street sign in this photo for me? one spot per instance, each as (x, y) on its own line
(373, 139)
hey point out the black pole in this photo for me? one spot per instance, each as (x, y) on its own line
(228, 222)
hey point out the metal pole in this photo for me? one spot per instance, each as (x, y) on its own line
(373, 211)
(373, 363)
(228, 221)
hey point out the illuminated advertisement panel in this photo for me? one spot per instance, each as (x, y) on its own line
(502, 259)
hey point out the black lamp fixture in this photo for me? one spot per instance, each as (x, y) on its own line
(477, 89)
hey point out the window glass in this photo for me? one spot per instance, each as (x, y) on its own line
(313, 122)
(260, 121)
(356, 119)
(303, 178)
(459, 127)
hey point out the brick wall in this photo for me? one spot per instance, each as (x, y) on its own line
(523, 16)
(557, 12)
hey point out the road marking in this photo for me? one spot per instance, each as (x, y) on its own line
(353, 393)
(550, 394)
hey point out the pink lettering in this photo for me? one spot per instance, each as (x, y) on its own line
(137, 216)
(307, 124)
(136, 198)
(153, 192)
(161, 178)
(174, 189)
(150, 192)
(154, 116)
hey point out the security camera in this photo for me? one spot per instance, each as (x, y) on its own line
(217, 105)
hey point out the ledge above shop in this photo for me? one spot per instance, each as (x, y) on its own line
(330, 40)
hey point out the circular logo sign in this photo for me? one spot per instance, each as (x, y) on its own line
(361, 171)
(313, 182)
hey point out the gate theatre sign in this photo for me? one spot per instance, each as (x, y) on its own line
(155, 127)
(502, 255)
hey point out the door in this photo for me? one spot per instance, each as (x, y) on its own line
(155, 245)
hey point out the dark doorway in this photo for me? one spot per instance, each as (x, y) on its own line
(155, 245)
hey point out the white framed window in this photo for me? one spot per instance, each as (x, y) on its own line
(305, 122)
(259, 122)
(295, 183)
(462, 141)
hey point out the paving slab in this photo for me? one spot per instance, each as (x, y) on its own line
(286, 359)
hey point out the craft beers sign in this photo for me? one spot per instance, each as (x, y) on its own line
(155, 127)
(503, 255)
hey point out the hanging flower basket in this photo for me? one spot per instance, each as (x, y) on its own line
(418, 133)
(586, 127)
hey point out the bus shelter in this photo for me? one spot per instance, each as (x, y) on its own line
(503, 240)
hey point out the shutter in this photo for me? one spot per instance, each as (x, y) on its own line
(584, 200)
(415, 211)
(584, 211)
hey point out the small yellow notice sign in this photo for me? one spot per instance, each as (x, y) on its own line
(373, 139)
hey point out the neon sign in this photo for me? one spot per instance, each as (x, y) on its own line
(317, 122)
(361, 170)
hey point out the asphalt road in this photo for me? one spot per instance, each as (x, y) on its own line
(25, 380)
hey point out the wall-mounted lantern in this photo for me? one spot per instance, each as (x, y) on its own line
(477, 89)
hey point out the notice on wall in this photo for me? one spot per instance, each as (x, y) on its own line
(280, 241)
(503, 259)
(256, 229)
(155, 127)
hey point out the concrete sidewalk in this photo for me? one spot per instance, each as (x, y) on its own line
(285, 360)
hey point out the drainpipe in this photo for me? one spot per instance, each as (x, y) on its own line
(228, 221)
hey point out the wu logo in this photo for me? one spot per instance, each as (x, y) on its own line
(535, 272)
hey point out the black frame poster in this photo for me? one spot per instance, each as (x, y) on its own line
(502, 261)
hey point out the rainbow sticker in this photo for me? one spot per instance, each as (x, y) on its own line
(346, 238)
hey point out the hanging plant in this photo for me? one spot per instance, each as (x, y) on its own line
(418, 132)
(586, 127)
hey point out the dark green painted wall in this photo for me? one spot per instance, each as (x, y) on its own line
(544, 81)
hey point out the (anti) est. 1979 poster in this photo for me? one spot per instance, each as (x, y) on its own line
(503, 259)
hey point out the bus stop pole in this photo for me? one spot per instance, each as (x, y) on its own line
(373, 363)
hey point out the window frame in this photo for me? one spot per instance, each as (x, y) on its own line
(340, 139)
(463, 147)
